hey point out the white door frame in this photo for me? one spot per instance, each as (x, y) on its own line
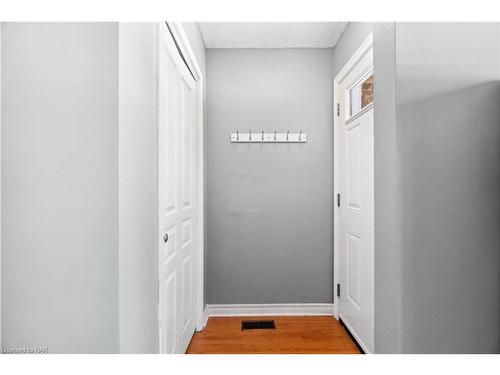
(188, 56)
(356, 57)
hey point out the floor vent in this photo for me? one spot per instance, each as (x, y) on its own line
(257, 324)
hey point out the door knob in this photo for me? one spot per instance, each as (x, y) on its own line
(165, 237)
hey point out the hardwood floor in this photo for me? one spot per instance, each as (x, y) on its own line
(293, 335)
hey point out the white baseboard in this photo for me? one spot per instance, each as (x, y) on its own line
(279, 309)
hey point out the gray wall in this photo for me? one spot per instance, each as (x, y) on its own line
(448, 95)
(0, 185)
(269, 205)
(386, 159)
(60, 186)
(138, 188)
(437, 210)
(352, 37)
(387, 193)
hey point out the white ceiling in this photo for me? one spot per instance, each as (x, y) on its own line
(271, 34)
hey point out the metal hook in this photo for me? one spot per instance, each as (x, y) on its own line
(287, 133)
(275, 136)
(250, 134)
(237, 135)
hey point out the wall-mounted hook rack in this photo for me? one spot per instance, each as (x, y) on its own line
(273, 137)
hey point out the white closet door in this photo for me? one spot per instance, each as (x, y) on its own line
(176, 204)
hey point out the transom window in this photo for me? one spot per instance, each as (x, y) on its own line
(361, 95)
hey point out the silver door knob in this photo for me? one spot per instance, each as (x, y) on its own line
(165, 237)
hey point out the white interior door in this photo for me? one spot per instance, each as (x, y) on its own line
(356, 211)
(176, 203)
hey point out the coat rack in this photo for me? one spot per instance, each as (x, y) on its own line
(261, 137)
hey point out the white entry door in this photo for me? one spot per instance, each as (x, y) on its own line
(176, 204)
(356, 201)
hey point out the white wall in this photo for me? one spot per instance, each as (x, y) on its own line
(138, 182)
(60, 186)
(79, 183)
(138, 188)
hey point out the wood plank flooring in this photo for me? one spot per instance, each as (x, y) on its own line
(293, 335)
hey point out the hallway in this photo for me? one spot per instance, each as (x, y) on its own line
(293, 335)
(156, 176)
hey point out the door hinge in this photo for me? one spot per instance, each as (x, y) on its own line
(338, 109)
(338, 200)
(338, 290)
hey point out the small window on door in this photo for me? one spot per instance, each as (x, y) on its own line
(361, 95)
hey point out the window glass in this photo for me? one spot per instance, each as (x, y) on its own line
(361, 95)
